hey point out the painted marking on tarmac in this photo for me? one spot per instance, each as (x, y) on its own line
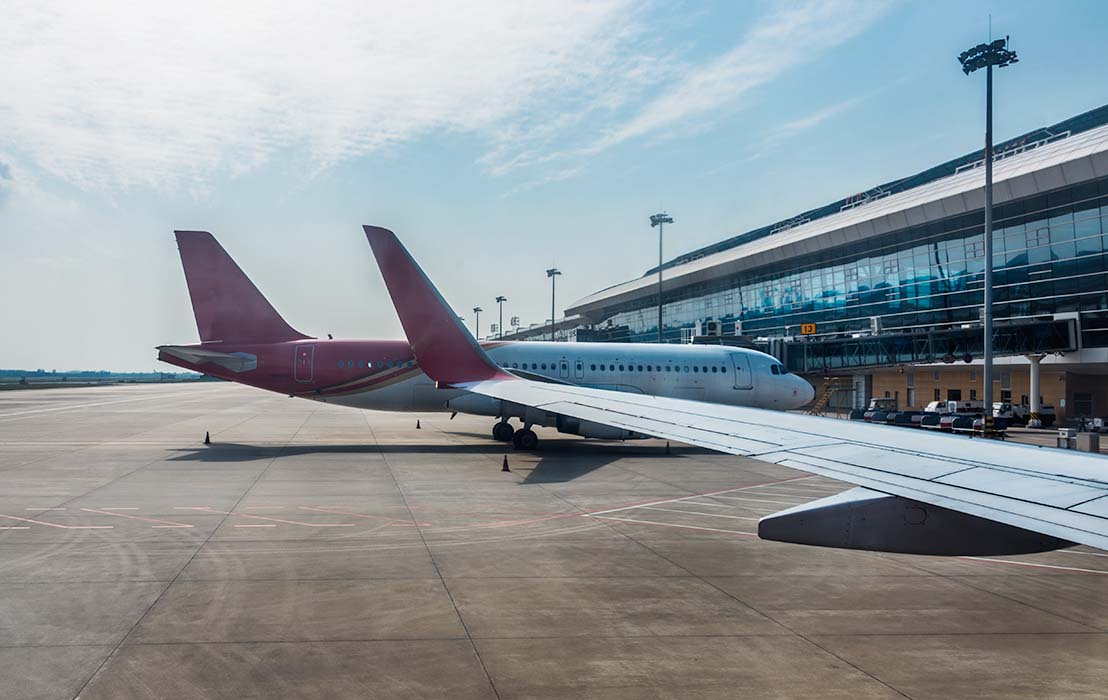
(15, 527)
(119, 508)
(693, 512)
(276, 520)
(255, 525)
(161, 523)
(686, 527)
(61, 527)
(394, 521)
(16, 415)
(759, 500)
(44, 508)
(713, 494)
(1038, 566)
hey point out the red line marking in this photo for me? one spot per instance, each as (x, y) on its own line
(686, 527)
(394, 521)
(276, 520)
(162, 523)
(61, 527)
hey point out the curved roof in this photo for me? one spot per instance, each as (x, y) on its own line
(1064, 161)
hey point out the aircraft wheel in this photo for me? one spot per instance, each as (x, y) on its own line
(503, 432)
(525, 439)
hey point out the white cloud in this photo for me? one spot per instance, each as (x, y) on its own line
(114, 94)
(117, 94)
(789, 35)
(783, 132)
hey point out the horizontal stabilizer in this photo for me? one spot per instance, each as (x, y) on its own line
(233, 361)
(865, 519)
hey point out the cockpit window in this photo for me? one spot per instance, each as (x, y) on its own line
(773, 369)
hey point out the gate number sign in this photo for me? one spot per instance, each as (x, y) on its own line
(807, 329)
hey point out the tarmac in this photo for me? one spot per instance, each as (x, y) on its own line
(313, 551)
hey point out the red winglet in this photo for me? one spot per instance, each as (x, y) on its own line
(445, 350)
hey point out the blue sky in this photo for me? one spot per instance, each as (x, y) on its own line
(496, 139)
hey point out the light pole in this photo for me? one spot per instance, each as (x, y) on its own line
(500, 301)
(552, 273)
(986, 56)
(477, 323)
(660, 220)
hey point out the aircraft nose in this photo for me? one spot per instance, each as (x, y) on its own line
(804, 392)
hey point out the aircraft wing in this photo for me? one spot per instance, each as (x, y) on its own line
(920, 492)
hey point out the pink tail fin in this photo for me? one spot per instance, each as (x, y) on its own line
(227, 305)
(445, 350)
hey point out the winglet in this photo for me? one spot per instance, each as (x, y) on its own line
(445, 350)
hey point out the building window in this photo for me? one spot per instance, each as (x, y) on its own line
(938, 395)
(973, 394)
(953, 394)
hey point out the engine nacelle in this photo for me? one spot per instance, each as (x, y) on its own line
(865, 519)
(476, 404)
(591, 429)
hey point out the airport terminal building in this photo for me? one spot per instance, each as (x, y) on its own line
(883, 289)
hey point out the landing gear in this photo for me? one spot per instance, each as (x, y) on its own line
(525, 439)
(503, 431)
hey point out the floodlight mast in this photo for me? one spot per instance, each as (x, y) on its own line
(477, 322)
(500, 327)
(660, 220)
(995, 53)
(552, 273)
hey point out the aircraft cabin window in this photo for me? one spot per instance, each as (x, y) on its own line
(686, 368)
(621, 368)
(340, 364)
(592, 367)
(723, 370)
(713, 369)
(640, 368)
(361, 364)
(704, 370)
(695, 368)
(349, 363)
(668, 368)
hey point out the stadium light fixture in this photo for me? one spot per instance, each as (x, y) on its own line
(660, 220)
(552, 273)
(500, 326)
(994, 53)
(477, 322)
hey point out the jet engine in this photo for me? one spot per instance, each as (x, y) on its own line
(878, 522)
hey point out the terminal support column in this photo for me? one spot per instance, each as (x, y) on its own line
(1033, 420)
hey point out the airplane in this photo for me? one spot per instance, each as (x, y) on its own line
(244, 340)
(915, 493)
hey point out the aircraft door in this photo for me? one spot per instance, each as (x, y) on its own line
(578, 369)
(563, 368)
(304, 357)
(743, 377)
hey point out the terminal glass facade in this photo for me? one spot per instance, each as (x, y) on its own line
(1050, 256)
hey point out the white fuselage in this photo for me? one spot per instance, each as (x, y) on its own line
(711, 373)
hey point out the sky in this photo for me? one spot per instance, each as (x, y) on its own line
(496, 139)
